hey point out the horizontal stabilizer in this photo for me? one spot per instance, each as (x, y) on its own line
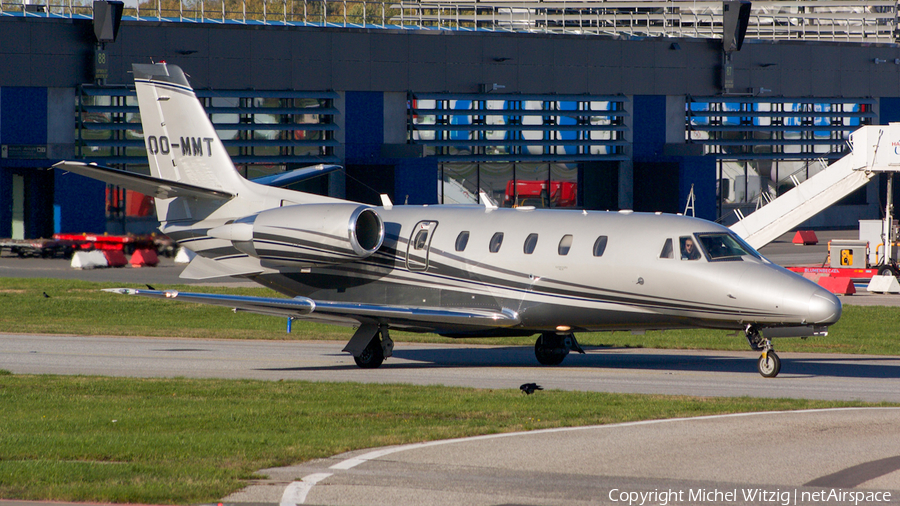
(148, 185)
(363, 313)
(205, 268)
(285, 179)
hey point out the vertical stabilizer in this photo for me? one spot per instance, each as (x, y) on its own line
(182, 144)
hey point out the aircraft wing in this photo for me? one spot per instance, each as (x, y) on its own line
(299, 307)
(159, 188)
(265, 305)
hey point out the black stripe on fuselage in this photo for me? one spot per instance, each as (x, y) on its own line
(383, 266)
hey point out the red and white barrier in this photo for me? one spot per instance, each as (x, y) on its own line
(115, 258)
(144, 258)
(89, 260)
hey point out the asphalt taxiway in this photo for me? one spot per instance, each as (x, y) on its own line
(843, 456)
(674, 372)
(825, 452)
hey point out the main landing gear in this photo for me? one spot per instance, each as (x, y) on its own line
(769, 365)
(551, 348)
(370, 345)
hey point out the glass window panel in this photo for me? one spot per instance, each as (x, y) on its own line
(495, 119)
(426, 119)
(566, 135)
(565, 244)
(531, 120)
(496, 241)
(139, 151)
(720, 247)
(600, 246)
(667, 250)
(266, 119)
(494, 179)
(460, 120)
(308, 151)
(269, 135)
(532, 186)
(530, 243)
(689, 250)
(563, 185)
(458, 183)
(419, 240)
(462, 240)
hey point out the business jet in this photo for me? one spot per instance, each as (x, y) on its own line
(454, 270)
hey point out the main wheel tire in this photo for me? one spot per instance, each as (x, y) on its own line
(769, 365)
(372, 356)
(550, 350)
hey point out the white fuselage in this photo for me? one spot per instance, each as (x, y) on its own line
(631, 285)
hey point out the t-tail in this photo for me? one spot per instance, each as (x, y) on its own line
(236, 226)
(182, 144)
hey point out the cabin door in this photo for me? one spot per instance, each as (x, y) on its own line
(419, 245)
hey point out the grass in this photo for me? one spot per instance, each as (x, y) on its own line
(180, 441)
(78, 307)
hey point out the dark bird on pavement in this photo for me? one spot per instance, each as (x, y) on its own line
(150, 287)
(46, 296)
(529, 388)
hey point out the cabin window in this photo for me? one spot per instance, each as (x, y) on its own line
(462, 240)
(667, 250)
(600, 246)
(496, 241)
(565, 244)
(689, 249)
(530, 243)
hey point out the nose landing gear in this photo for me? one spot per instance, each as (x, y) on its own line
(769, 365)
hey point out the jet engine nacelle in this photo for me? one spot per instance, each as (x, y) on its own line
(306, 235)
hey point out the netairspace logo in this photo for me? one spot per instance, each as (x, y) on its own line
(747, 495)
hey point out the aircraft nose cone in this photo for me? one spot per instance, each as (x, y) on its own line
(824, 308)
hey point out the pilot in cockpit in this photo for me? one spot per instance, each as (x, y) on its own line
(688, 249)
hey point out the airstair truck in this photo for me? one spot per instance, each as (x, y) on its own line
(873, 150)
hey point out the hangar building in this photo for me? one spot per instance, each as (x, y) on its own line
(595, 104)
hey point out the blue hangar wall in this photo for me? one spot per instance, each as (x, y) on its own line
(371, 168)
(35, 131)
(374, 70)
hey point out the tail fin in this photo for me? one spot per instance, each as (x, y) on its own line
(182, 144)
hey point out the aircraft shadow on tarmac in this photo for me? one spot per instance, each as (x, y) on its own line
(612, 358)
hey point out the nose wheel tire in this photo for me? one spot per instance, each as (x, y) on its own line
(769, 364)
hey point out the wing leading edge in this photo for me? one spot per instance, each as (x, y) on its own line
(299, 307)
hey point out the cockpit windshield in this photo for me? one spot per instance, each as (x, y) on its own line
(724, 247)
